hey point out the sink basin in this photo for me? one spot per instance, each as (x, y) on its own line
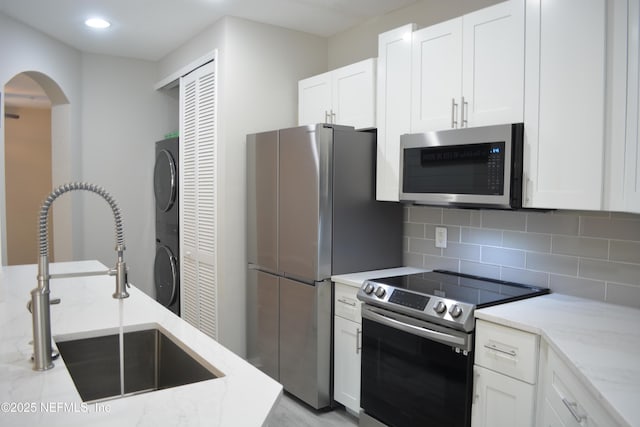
(153, 360)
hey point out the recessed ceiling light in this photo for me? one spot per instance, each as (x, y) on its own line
(97, 23)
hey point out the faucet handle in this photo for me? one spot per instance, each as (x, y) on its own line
(51, 302)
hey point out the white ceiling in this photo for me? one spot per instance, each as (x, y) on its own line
(149, 29)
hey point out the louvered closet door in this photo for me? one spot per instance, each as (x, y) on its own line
(198, 143)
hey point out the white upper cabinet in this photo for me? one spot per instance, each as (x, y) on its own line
(469, 71)
(314, 99)
(632, 143)
(344, 96)
(436, 76)
(565, 103)
(393, 109)
(493, 65)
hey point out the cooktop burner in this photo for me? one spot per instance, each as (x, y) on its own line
(443, 297)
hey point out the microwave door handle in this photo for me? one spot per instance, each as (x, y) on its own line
(454, 113)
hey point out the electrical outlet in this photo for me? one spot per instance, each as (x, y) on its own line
(441, 237)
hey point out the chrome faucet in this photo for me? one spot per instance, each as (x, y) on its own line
(39, 305)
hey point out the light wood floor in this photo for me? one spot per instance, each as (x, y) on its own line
(290, 412)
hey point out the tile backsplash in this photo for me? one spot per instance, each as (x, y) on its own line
(592, 255)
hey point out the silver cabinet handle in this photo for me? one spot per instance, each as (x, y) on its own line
(573, 408)
(333, 117)
(454, 113)
(494, 347)
(358, 341)
(464, 113)
(346, 301)
(326, 117)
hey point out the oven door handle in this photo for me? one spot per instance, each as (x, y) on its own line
(372, 314)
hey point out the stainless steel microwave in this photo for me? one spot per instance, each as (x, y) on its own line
(468, 167)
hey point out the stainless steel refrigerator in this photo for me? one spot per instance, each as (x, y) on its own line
(312, 213)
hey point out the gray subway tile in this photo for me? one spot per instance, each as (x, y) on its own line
(456, 217)
(625, 215)
(527, 277)
(503, 257)
(610, 271)
(405, 213)
(476, 218)
(405, 244)
(553, 224)
(411, 229)
(462, 251)
(580, 246)
(624, 251)
(477, 269)
(425, 214)
(610, 228)
(437, 262)
(577, 287)
(559, 264)
(623, 294)
(535, 242)
(602, 214)
(413, 260)
(481, 236)
(424, 246)
(504, 220)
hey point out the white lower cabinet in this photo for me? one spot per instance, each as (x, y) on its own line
(500, 400)
(549, 417)
(347, 343)
(346, 379)
(567, 401)
(505, 376)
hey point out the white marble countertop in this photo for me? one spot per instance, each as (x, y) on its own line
(357, 279)
(243, 397)
(599, 341)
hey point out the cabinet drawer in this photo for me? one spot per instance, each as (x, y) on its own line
(572, 402)
(506, 350)
(346, 304)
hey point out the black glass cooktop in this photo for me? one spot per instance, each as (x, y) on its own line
(479, 291)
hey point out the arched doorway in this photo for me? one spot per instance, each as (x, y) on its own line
(35, 122)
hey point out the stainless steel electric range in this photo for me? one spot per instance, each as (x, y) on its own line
(417, 345)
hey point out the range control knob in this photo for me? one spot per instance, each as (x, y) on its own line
(368, 288)
(380, 292)
(455, 311)
(440, 307)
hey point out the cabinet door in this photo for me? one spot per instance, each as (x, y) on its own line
(573, 403)
(501, 401)
(493, 65)
(393, 112)
(436, 76)
(564, 103)
(632, 156)
(346, 363)
(549, 416)
(353, 94)
(314, 99)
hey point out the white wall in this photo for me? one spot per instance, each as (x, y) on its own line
(122, 118)
(264, 64)
(24, 49)
(361, 42)
(258, 69)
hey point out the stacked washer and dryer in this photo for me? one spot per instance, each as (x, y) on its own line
(166, 265)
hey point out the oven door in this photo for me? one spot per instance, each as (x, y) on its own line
(414, 373)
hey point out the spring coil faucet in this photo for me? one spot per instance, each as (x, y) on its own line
(39, 305)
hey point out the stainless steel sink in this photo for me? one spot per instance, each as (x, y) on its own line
(153, 360)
